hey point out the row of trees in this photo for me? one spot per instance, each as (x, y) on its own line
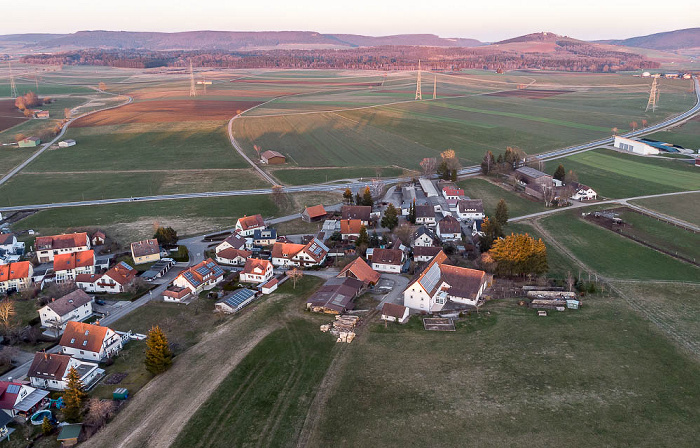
(364, 199)
(505, 163)
(492, 229)
(27, 101)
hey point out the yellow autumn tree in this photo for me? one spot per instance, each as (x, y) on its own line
(519, 254)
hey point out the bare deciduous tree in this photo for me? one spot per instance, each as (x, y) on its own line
(278, 195)
(428, 164)
(295, 274)
(570, 281)
(7, 312)
(548, 195)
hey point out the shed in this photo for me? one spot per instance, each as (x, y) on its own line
(572, 304)
(234, 302)
(270, 286)
(29, 142)
(273, 158)
(69, 434)
(120, 393)
(66, 143)
(312, 214)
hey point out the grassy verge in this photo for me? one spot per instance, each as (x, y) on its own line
(305, 176)
(490, 194)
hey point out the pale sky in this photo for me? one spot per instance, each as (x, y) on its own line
(488, 20)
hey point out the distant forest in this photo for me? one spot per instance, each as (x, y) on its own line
(567, 56)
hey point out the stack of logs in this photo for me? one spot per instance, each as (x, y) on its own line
(343, 328)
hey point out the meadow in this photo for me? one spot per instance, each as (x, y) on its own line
(614, 174)
(686, 135)
(490, 385)
(612, 255)
(490, 194)
(682, 207)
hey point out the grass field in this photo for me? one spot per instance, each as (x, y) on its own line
(615, 175)
(483, 386)
(559, 264)
(320, 175)
(490, 194)
(613, 255)
(686, 135)
(683, 207)
(264, 401)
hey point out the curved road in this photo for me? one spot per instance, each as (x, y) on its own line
(468, 171)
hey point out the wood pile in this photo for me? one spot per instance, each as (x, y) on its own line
(343, 328)
(551, 295)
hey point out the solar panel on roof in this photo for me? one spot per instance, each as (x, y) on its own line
(431, 277)
(13, 389)
(239, 297)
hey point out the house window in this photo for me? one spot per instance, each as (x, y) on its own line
(84, 343)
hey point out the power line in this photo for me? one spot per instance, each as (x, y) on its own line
(419, 95)
(653, 97)
(13, 87)
(193, 87)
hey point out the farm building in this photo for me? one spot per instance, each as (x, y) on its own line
(534, 177)
(392, 312)
(87, 341)
(66, 143)
(29, 142)
(269, 287)
(313, 214)
(360, 270)
(235, 301)
(76, 306)
(50, 371)
(470, 209)
(273, 158)
(146, 251)
(428, 187)
(648, 147)
(335, 296)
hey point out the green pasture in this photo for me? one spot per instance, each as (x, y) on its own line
(612, 255)
(599, 376)
(490, 194)
(560, 265)
(320, 175)
(687, 135)
(616, 175)
(686, 207)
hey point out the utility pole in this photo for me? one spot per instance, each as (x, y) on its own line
(36, 80)
(419, 95)
(13, 87)
(435, 88)
(653, 97)
(193, 87)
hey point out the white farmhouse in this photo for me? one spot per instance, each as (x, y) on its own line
(91, 342)
(75, 306)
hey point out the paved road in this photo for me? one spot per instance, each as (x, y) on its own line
(622, 201)
(238, 148)
(356, 185)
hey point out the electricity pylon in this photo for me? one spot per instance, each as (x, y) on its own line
(419, 95)
(435, 88)
(193, 87)
(13, 87)
(653, 97)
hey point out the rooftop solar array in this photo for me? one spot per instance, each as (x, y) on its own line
(431, 277)
(238, 297)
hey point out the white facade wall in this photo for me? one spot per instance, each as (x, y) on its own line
(423, 241)
(390, 268)
(48, 316)
(416, 298)
(634, 146)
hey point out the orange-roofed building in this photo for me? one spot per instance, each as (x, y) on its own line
(313, 253)
(256, 271)
(360, 270)
(67, 266)
(202, 276)
(49, 246)
(247, 225)
(313, 214)
(91, 342)
(350, 228)
(113, 281)
(16, 276)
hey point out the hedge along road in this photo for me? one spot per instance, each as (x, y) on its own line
(355, 185)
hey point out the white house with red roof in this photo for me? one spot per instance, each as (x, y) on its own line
(21, 399)
(16, 276)
(440, 283)
(91, 342)
(48, 246)
(313, 253)
(451, 193)
(233, 241)
(247, 225)
(113, 281)
(256, 271)
(67, 266)
(233, 257)
(202, 276)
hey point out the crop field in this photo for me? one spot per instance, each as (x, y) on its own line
(485, 386)
(615, 256)
(9, 115)
(686, 135)
(490, 194)
(616, 175)
(683, 207)
(320, 175)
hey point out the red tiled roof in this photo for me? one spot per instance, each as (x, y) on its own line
(250, 222)
(14, 271)
(49, 366)
(315, 211)
(5, 238)
(176, 292)
(64, 262)
(393, 310)
(61, 241)
(361, 271)
(255, 263)
(387, 256)
(269, 154)
(286, 250)
(231, 254)
(350, 226)
(122, 273)
(453, 191)
(7, 400)
(83, 336)
(145, 247)
(87, 278)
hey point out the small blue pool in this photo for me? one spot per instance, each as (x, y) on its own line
(38, 417)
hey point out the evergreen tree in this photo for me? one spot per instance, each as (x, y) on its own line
(347, 196)
(158, 355)
(374, 240)
(502, 212)
(391, 218)
(492, 230)
(46, 426)
(363, 239)
(74, 396)
(560, 173)
(412, 212)
(367, 197)
(453, 176)
(443, 171)
(358, 198)
(488, 164)
(166, 236)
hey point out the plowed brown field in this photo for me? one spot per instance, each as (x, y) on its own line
(9, 115)
(166, 111)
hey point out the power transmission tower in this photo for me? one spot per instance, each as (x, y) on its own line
(193, 87)
(419, 95)
(36, 80)
(435, 88)
(653, 97)
(13, 87)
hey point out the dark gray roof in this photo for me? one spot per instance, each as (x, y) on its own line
(531, 172)
(69, 302)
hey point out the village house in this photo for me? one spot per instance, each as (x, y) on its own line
(49, 246)
(470, 209)
(50, 371)
(74, 306)
(423, 254)
(98, 238)
(313, 253)
(584, 193)
(451, 193)
(353, 212)
(272, 158)
(202, 276)
(233, 241)
(232, 257)
(360, 270)
(256, 271)
(15, 276)
(19, 399)
(425, 215)
(335, 296)
(176, 294)
(113, 281)
(247, 225)
(67, 267)
(449, 229)
(350, 229)
(10, 245)
(313, 214)
(424, 237)
(264, 237)
(440, 283)
(387, 260)
(234, 302)
(91, 342)
(392, 312)
(146, 251)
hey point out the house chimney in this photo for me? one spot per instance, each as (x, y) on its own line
(53, 299)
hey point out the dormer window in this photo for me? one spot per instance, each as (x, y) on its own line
(72, 341)
(84, 343)
(87, 332)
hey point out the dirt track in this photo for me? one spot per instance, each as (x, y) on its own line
(157, 414)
